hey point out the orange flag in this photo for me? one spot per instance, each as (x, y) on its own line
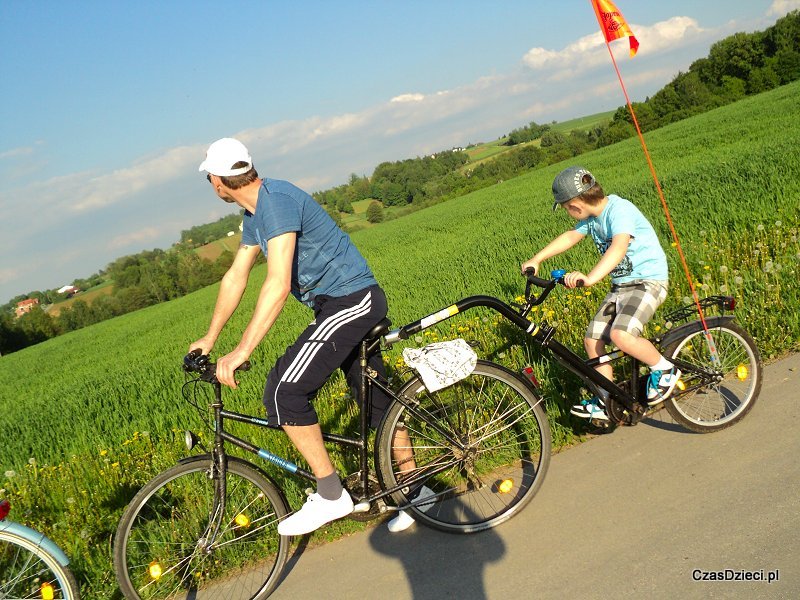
(613, 24)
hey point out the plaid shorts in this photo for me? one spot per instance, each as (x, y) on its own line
(627, 307)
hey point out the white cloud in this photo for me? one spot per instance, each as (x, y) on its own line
(588, 51)
(142, 236)
(123, 183)
(408, 98)
(16, 152)
(778, 8)
(396, 118)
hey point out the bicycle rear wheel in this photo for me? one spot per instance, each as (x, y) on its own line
(170, 544)
(27, 570)
(707, 408)
(482, 445)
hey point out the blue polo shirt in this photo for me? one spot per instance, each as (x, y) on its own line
(325, 260)
(645, 258)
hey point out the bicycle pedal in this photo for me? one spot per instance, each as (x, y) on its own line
(361, 507)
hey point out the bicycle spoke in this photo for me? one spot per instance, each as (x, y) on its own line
(489, 461)
(706, 403)
(181, 543)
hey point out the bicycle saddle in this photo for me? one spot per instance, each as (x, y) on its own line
(379, 330)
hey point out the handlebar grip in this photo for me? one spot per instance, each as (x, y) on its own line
(537, 281)
(194, 361)
(197, 362)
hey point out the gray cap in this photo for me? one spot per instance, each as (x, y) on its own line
(569, 184)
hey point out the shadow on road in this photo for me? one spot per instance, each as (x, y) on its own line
(440, 565)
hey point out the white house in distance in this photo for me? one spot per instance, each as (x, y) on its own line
(68, 289)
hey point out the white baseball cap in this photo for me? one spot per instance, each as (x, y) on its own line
(223, 154)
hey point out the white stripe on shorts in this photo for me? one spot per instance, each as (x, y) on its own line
(324, 332)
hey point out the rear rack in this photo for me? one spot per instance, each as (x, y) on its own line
(682, 314)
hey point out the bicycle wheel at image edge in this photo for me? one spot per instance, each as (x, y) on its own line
(483, 445)
(170, 545)
(719, 405)
(29, 571)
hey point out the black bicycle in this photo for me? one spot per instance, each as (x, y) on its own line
(207, 528)
(720, 363)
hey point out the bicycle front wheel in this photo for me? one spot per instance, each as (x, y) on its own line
(481, 445)
(715, 406)
(174, 541)
(27, 570)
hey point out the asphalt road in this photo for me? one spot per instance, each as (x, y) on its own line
(639, 513)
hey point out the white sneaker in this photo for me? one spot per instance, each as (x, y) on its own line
(661, 384)
(404, 520)
(315, 513)
(590, 409)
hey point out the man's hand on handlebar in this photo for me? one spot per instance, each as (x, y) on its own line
(228, 364)
(204, 344)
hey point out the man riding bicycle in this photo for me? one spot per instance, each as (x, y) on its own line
(314, 260)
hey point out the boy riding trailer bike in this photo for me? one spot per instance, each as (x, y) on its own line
(632, 256)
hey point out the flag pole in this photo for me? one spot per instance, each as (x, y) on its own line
(712, 346)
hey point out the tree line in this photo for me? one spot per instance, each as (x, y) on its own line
(737, 66)
(200, 235)
(139, 280)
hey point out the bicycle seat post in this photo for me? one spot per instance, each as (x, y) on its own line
(363, 405)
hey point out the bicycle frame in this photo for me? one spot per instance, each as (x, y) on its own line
(541, 334)
(368, 379)
(582, 368)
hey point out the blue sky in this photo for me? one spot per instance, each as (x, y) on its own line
(107, 107)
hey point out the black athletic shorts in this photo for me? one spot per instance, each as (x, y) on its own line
(330, 342)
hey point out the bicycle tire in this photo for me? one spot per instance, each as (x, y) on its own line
(717, 406)
(27, 570)
(164, 530)
(498, 464)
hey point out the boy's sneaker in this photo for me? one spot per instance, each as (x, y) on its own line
(590, 409)
(404, 520)
(315, 513)
(661, 384)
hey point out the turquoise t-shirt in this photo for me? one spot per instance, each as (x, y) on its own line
(645, 258)
(325, 260)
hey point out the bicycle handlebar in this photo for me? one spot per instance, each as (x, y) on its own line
(197, 362)
(547, 285)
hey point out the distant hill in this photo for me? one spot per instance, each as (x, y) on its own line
(104, 289)
(214, 249)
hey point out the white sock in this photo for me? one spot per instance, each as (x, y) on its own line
(662, 365)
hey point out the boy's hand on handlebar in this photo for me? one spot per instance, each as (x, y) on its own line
(575, 279)
(530, 264)
(227, 365)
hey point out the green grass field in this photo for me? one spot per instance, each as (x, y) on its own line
(88, 417)
(584, 123)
